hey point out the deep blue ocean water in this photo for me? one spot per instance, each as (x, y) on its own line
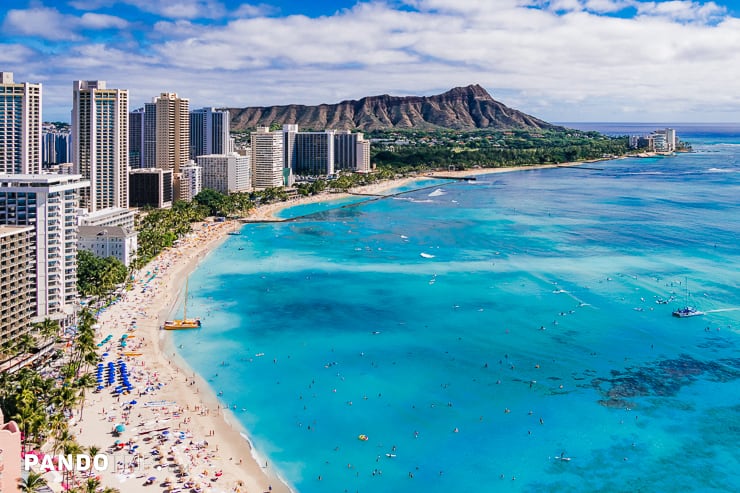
(530, 329)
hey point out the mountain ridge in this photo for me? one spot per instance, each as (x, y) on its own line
(460, 108)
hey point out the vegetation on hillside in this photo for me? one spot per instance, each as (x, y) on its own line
(421, 150)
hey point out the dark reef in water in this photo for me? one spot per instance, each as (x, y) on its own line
(664, 378)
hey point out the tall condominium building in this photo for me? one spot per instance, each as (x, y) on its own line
(172, 131)
(20, 126)
(226, 173)
(17, 303)
(289, 149)
(267, 158)
(50, 204)
(56, 148)
(209, 132)
(190, 181)
(363, 164)
(351, 151)
(100, 143)
(142, 137)
(136, 139)
(314, 153)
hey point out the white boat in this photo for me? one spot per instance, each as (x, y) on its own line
(687, 311)
(426, 255)
(184, 322)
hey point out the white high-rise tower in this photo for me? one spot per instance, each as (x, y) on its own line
(100, 143)
(20, 126)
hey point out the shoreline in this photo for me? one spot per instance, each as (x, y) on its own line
(189, 407)
(268, 213)
(139, 313)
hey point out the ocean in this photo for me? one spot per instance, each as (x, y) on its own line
(512, 333)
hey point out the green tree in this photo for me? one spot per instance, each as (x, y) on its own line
(33, 483)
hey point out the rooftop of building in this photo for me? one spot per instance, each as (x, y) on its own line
(7, 230)
(110, 231)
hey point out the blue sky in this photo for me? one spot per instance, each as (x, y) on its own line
(560, 60)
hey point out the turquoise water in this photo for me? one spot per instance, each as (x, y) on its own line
(528, 329)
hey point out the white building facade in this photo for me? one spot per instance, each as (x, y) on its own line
(49, 203)
(191, 181)
(113, 241)
(267, 158)
(226, 173)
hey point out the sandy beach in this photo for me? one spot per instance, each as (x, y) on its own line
(174, 430)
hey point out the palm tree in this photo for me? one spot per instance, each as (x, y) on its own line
(33, 483)
(48, 329)
(72, 448)
(86, 381)
(91, 485)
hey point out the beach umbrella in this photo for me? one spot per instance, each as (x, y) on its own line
(105, 355)
(132, 402)
(120, 428)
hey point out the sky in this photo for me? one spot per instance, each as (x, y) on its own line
(559, 60)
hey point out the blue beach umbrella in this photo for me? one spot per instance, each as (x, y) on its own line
(120, 428)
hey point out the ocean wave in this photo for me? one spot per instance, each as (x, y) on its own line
(415, 201)
(721, 170)
(437, 193)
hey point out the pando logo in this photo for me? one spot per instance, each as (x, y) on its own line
(70, 462)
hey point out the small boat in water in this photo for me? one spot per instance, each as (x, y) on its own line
(687, 311)
(184, 322)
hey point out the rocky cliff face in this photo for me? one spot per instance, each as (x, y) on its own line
(462, 108)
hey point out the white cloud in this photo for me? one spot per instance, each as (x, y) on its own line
(48, 23)
(181, 9)
(250, 10)
(682, 11)
(43, 22)
(91, 20)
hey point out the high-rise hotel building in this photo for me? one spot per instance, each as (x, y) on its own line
(100, 143)
(267, 158)
(314, 153)
(209, 132)
(20, 126)
(48, 203)
(16, 281)
(172, 131)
